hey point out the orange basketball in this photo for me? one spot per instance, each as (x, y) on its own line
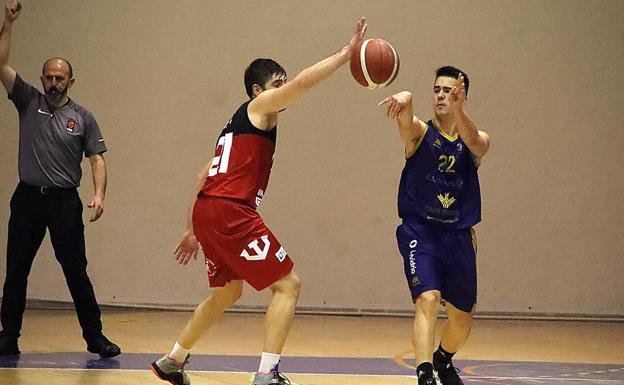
(375, 63)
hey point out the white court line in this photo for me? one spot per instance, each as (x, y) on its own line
(472, 377)
(219, 372)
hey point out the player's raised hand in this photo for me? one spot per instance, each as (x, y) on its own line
(457, 96)
(396, 103)
(358, 34)
(12, 9)
(187, 248)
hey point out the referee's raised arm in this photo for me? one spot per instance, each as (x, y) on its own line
(12, 10)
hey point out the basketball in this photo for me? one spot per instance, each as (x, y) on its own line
(375, 63)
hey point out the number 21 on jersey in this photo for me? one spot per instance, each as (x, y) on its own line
(222, 155)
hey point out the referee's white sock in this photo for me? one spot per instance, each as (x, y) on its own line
(178, 353)
(268, 362)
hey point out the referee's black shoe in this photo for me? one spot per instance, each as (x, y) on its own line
(103, 346)
(8, 346)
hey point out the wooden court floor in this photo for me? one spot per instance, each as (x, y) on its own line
(336, 350)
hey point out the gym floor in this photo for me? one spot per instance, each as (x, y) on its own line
(321, 350)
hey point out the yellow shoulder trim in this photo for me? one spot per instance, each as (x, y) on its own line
(452, 138)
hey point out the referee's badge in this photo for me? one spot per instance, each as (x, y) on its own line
(71, 123)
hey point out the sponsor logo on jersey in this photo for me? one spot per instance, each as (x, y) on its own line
(453, 183)
(71, 123)
(446, 200)
(211, 268)
(281, 254)
(412, 263)
(254, 252)
(259, 197)
(412, 259)
(437, 143)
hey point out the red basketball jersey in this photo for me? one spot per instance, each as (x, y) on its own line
(243, 159)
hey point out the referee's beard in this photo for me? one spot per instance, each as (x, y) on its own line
(54, 96)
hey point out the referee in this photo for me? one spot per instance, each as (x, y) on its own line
(54, 132)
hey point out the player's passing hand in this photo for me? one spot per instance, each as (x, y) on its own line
(396, 103)
(458, 93)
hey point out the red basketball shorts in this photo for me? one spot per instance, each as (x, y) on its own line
(237, 244)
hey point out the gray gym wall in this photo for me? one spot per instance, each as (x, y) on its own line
(163, 77)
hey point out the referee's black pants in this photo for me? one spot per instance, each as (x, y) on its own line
(60, 211)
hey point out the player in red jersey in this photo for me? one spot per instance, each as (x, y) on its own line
(223, 218)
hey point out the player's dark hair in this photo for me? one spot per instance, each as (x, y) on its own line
(71, 70)
(260, 71)
(453, 72)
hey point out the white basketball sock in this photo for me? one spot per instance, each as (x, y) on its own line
(178, 353)
(268, 362)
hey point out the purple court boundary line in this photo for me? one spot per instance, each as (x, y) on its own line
(571, 373)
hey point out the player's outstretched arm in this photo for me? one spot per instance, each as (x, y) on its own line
(478, 142)
(12, 11)
(399, 106)
(277, 99)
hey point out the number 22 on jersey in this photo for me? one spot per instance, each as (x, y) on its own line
(446, 163)
(222, 155)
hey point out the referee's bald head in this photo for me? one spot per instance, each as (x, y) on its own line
(59, 61)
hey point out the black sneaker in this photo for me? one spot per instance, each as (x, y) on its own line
(427, 380)
(8, 346)
(102, 346)
(447, 373)
(168, 370)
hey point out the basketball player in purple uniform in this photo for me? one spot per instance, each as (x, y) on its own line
(439, 203)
